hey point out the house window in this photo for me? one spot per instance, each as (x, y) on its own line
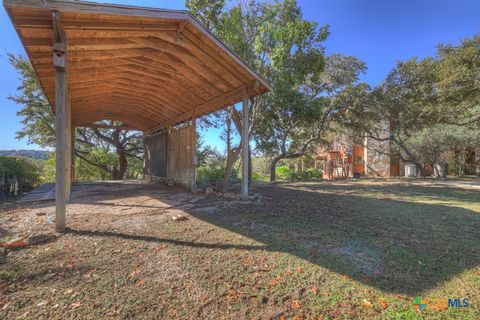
(358, 160)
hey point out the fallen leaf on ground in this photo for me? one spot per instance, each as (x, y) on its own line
(14, 244)
(273, 282)
(366, 303)
(5, 288)
(160, 247)
(383, 304)
(134, 273)
(70, 263)
(296, 304)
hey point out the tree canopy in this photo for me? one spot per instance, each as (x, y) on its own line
(288, 50)
(421, 96)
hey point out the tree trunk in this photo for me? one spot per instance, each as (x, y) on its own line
(250, 170)
(232, 155)
(119, 173)
(477, 162)
(273, 168)
(461, 163)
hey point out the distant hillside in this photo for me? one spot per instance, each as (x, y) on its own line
(34, 154)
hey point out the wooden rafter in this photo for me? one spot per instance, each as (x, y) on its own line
(106, 126)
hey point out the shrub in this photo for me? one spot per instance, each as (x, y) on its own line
(314, 173)
(259, 177)
(19, 172)
(299, 175)
(208, 174)
(283, 172)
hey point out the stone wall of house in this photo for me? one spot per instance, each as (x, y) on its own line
(377, 162)
(377, 157)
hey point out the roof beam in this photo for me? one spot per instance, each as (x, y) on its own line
(229, 98)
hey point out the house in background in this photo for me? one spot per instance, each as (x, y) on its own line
(346, 158)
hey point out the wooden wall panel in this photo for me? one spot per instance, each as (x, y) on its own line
(179, 159)
(156, 155)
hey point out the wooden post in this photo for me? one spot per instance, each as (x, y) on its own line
(245, 145)
(72, 146)
(68, 151)
(193, 149)
(61, 120)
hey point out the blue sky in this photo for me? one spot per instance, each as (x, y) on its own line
(380, 32)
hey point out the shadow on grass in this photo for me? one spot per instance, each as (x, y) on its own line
(125, 236)
(435, 192)
(396, 246)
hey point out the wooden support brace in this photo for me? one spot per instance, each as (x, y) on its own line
(62, 123)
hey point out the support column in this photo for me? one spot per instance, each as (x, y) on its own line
(245, 146)
(68, 151)
(193, 149)
(61, 122)
(72, 173)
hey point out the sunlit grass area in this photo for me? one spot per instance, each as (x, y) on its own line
(327, 250)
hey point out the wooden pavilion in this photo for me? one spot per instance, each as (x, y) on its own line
(149, 69)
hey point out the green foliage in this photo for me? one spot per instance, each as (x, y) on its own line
(84, 171)
(48, 172)
(38, 119)
(430, 145)
(314, 173)
(457, 93)
(418, 97)
(295, 52)
(283, 172)
(213, 174)
(22, 171)
(259, 176)
(134, 169)
(287, 50)
(206, 11)
(207, 174)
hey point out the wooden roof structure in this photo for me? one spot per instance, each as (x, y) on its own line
(147, 68)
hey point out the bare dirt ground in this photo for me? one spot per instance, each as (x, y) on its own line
(305, 250)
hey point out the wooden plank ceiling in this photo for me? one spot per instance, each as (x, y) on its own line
(148, 68)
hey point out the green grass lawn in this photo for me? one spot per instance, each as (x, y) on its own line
(323, 250)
